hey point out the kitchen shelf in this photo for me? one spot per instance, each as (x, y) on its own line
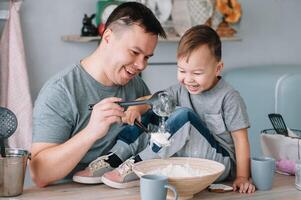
(80, 39)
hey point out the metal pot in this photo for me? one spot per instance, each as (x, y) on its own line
(12, 171)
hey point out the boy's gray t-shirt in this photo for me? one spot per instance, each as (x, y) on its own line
(61, 109)
(221, 108)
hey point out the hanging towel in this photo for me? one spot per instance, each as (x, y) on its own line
(14, 93)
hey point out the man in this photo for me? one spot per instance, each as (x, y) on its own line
(66, 135)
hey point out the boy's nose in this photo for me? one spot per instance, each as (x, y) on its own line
(188, 79)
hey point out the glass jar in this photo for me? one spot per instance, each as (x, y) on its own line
(298, 175)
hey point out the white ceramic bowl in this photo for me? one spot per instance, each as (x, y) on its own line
(186, 186)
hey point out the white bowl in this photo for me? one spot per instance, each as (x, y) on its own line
(186, 186)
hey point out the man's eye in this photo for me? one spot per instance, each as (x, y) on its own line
(134, 52)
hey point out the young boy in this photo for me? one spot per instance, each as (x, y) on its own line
(211, 122)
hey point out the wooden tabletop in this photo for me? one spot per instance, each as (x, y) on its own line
(283, 188)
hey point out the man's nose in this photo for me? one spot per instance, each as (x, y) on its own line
(140, 63)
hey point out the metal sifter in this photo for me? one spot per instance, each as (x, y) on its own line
(8, 125)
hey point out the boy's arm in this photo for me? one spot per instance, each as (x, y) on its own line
(135, 112)
(242, 153)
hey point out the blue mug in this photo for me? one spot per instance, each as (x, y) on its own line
(263, 170)
(155, 187)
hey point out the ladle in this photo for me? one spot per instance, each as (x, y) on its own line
(8, 125)
(164, 105)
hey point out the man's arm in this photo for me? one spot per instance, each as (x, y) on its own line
(51, 162)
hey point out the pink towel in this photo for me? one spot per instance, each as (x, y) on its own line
(287, 166)
(14, 93)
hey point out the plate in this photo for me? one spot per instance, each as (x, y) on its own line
(188, 13)
(161, 9)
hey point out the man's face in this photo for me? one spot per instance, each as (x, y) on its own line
(128, 54)
(199, 73)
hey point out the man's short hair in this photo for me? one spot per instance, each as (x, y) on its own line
(197, 36)
(130, 13)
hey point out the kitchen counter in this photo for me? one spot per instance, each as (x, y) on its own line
(283, 188)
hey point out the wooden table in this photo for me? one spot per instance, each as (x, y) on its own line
(283, 188)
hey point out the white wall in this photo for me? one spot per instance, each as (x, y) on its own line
(270, 32)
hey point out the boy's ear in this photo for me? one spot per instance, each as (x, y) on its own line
(219, 68)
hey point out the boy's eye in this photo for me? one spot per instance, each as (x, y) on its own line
(198, 72)
(181, 71)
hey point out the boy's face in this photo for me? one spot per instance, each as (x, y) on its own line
(200, 72)
(128, 54)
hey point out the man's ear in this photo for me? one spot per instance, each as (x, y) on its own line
(219, 68)
(107, 34)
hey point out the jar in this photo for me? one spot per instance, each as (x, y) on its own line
(298, 175)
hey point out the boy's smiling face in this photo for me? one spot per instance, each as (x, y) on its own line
(199, 72)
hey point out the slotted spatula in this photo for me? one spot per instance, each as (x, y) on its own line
(278, 123)
(8, 125)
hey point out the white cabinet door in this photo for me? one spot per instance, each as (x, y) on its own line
(159, 76)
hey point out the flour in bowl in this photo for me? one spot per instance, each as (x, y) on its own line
(179, 171)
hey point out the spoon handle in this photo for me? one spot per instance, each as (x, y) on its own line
(140, 125)
(133, 103)
(2, 148)
(126, 103)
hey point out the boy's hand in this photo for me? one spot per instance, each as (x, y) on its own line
(244, 185)
(130, 116)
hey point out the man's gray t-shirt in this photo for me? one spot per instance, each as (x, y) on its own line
(221, 108)
(61, 109)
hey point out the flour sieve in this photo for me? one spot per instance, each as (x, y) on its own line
(8, 125)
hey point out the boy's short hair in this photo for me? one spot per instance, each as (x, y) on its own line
(197, 36)
(130, 13)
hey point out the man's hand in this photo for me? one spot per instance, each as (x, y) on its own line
(244, 185)
(104, 113)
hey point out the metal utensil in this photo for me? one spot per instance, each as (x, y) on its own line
(140, 125)
(164, 105)
(149, 101)
(8, 125)
(278, 123)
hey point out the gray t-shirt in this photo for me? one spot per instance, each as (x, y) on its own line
(221, 108)
(61, 109)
